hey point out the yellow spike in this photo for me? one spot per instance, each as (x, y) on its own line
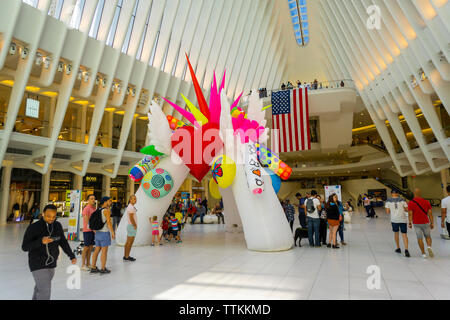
(200, 117)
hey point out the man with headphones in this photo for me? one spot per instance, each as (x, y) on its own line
(42, 240)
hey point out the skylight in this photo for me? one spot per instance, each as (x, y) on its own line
(299, 17)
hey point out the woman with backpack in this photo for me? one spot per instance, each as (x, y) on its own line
(100, 223)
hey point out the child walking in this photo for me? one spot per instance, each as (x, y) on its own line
(165, 228)
(155, 231)
(175, 232)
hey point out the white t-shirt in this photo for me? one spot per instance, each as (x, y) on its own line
(316, 203)
(398, 209)
(446, 204)
(131, 210)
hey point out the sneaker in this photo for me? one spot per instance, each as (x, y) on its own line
(94, 270)
(85, 268)
(329, 245)
(131, 259)
(336, 247)
(160, 244)
(152, 244)
(424, 256)
(105, 271)
(319, 246)
(407, 254)
(179, 241)
(430, 252)
(343, 243)
(398, 250)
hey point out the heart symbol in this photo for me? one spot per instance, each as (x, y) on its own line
(197, 147)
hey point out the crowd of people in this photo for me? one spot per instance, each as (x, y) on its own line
(318, 217)
(314, 85)
(322, 218)
(43, 237)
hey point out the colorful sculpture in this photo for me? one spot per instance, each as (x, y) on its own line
(224, 139)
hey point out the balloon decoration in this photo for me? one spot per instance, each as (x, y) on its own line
(253, 170)
(276, 181)
(214, 189)
(141, 168)
(223, 171)
(157, 183)
(151, 151)
(192, 151)
(273, 162)
(174, 123)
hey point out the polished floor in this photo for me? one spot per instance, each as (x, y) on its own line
(212, 264)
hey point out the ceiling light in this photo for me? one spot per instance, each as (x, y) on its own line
(68, 69)
(12, 48)
(24, 53)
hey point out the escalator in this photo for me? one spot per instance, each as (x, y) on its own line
(406, 193)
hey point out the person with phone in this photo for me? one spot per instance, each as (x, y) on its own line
(421, 216)
(42, 240)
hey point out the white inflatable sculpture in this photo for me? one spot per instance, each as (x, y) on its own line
(250, 194)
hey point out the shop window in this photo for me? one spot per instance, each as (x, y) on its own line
(118, 189)
(25, 191)
(33, 115)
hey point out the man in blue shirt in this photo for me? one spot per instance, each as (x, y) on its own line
(301, 209)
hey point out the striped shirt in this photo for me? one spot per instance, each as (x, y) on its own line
(155, 225)
(174, 223)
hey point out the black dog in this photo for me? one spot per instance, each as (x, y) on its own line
(300, 233)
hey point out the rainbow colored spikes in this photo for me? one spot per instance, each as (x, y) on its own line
(214, 102)
(198, 91)
(235, 103)
(183, 112)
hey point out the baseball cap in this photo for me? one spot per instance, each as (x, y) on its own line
(104, 199)
(394, 191)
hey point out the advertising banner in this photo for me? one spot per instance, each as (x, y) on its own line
(74, 215)
(329, 190)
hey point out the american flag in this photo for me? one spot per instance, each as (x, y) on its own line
(290, 120)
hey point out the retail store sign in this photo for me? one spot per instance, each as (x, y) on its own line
(91, 179)
(32, 108)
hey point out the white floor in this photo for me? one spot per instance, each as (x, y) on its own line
(212, 264)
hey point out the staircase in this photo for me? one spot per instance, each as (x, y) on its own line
(406, 193)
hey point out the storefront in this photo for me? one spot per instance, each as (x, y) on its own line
(25, 191)
(119, 189)
(92, 184)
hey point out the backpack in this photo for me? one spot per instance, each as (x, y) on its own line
(95, 221)
(310, 206)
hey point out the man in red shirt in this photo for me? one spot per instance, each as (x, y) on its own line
(88, 234)
(420, 214)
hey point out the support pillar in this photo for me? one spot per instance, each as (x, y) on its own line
(133, 135)
(130, 189)
(77, 182)
(106, 186)
(444, 181)
(45, 190)
(4, 194)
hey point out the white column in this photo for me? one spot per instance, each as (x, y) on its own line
(77, 182)
(444, 181)
(106, 186)
(109, 127)
(130, 189)
(4, 194)
(45, 190)
(133, 135)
